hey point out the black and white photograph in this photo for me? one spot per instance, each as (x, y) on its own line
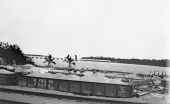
(84, 51)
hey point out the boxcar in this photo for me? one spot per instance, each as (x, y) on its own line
(110, 90)
(7, 78)
(86, 88)
(63, 85)
(75, 87)
(98, 89)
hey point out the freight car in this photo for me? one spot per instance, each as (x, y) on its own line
(72, 84)
(67, 83)
(7, 78)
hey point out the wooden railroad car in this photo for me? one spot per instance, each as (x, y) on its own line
(76, 86)
(7, 78)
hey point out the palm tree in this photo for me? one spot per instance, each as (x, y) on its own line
(76, 58)
(49, 59)
(69, 60)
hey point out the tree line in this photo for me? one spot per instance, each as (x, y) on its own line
(152, 62)
(13, 54)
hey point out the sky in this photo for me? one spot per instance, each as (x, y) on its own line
(110, 28)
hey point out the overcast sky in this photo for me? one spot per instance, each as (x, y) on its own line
(115, 28)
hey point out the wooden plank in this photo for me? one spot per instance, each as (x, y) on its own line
(124, 91)
(111, 90)
(22, 81)
(63, 85)
(3, 79)
(98, 89)
(32, 82)
(86, 88)
(41, 83)
(74, 87)
(51, 84)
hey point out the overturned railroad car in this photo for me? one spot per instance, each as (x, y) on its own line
(72, 84)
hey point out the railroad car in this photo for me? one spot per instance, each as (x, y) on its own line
(7, 77)
(51, 82)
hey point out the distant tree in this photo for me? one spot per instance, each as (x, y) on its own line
(13, 54)
(49, 59)
(76, 58)
(67, 56)
(153, 62)
(69, 60)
